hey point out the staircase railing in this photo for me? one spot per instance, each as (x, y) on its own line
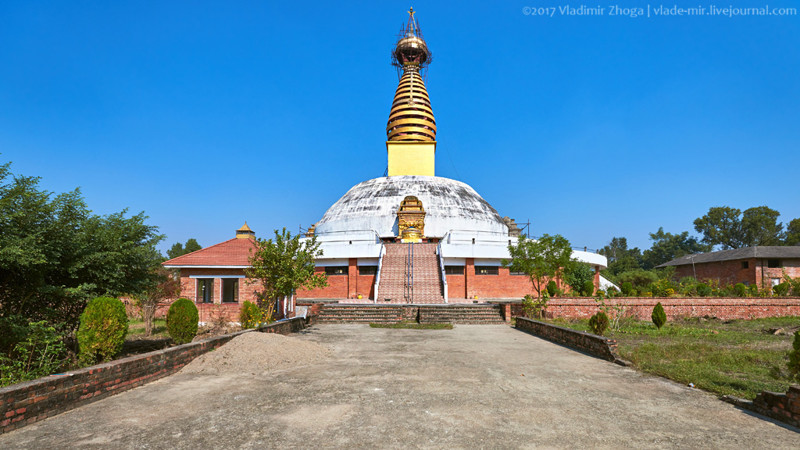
(441, 270)
(408, 278)
(378, 274)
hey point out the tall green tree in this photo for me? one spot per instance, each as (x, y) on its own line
(731, 228)
(55, 254)
(179, 249)
(620, 257)
(285, 264)
(668, 246)
(540, 259)
(793, 233)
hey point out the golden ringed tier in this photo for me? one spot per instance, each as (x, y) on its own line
(411, 117)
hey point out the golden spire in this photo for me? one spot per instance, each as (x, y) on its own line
(411, 117)
(245, 232)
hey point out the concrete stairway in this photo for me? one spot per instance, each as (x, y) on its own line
(360, 314)
(410, 274)
(463, 314)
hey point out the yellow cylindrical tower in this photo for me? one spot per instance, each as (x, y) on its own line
(411, 129)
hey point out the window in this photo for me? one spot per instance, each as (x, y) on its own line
(745, 264)
(454, 270)
(205, 290)
(775, 281)
(773, 263)
(367, 270)
(486, 270)
(230, 290)
(337, 270)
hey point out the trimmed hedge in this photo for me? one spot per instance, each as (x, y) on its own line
(182, 321)
(102, 331)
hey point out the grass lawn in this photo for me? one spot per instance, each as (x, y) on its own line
(414, 326)
(136, 329)
(735, 357)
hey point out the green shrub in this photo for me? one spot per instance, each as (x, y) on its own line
(588, 288)
(740, 290)
(781, 289)
(533, 308)
(39, 353)
(13, 329)
(627, 289)
(250, 315)
(659, 316)
(182, 321)
(102, 331)
(612, 292)
(552, 289)
(598, 323)
(576, 274)
(794, 358)
(703, 290)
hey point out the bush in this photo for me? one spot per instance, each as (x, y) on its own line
(659, 316)
(703, 290)
(552, 289)
(102, 331)
(533, 308)
(39, 353)
(250, 315)
(588, 288)
(576, 274)
(781, 289)
(13, 329)
(740, 290)
(627, 289)
(599, 323)
(794, 358)
(612, 292)
(182, 321)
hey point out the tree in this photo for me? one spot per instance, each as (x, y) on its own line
(620, 257)
(577, 274)
(539, 259)
(730, 228)
(284, 265)
(163, 286)
(668, 246)
(793, 233)
(179, 250)
(55, 254)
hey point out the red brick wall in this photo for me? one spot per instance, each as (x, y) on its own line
(343, 286)
(642, 307)
(731, 272)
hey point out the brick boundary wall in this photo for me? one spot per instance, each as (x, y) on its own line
(31, 401)
(778, 406)
(642, 307)
(592, 344)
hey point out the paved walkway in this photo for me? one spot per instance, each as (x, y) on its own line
(473, 386)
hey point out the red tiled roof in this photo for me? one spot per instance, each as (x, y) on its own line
(233, 252)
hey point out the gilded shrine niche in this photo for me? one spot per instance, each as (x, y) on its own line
(411, 220)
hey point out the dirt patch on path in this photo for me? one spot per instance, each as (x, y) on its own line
(255, 353)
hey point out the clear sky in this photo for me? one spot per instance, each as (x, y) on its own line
(207, 114)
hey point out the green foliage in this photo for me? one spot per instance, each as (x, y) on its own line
(103, 326)
(552, 289)
(250, 315)
(163, 286)
(534, 307)
(588, 288)
(781, 289)
(668, 246)
(730, 228)
(182, 321)
(598, 323)
(576, 274)
(627, 289)
(703, 290)
(659, 316)
(640, 279)
(178, 249)
(740, 290)
(285, 265)
(793, 233)
(663, 287)
(620, 257)
(13, 329)
(539, 259)
(55, 254)
(40, 352)
(794, 358)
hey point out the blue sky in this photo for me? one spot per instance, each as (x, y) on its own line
(207, 114)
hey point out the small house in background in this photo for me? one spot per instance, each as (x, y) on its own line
(215, 280)
(763, 266)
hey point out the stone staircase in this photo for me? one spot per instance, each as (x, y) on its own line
(482, 314)
(410, 274)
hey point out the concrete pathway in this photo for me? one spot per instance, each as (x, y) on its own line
(471, 387)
